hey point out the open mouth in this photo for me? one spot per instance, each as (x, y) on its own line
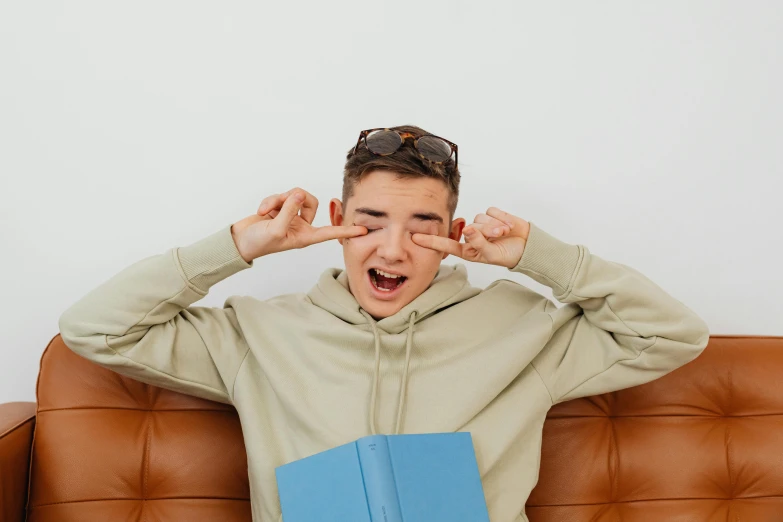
(385, 281)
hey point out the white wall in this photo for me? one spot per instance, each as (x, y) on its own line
(648, 131)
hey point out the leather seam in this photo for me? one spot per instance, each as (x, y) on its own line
(138, 499)
(647, 500)
(17, 426)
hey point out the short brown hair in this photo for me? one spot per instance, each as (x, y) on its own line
(405, 162)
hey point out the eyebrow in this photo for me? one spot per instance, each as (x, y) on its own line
(421, 216)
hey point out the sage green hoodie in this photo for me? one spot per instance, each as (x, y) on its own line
(310, 371)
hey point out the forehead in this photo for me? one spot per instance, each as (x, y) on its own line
(400, 196)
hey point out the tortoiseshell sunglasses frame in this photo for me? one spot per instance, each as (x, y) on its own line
(404, 136)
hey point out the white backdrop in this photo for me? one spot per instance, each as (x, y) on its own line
(649, 132)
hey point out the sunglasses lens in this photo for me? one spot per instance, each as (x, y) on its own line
(434, 149)
(383, 141)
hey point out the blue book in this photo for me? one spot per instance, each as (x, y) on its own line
(428, 477)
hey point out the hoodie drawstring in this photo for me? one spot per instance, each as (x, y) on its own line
(376, 373)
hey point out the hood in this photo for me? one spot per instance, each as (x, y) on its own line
(449, 286)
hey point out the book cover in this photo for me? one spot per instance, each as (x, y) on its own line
(428, 477)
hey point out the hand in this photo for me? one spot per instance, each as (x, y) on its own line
(495, 238)
(278, 226)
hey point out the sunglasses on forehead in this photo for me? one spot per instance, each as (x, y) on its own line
(383, 141)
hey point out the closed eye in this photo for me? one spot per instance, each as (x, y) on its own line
(369, 230)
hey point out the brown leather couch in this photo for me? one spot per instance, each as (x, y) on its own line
(703, 443)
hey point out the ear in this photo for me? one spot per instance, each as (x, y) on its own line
(456, 231)
(336, 214)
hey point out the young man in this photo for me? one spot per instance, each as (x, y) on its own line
(396, 342)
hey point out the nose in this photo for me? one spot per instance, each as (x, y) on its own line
(392, 247)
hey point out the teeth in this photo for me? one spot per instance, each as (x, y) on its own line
(386, 274)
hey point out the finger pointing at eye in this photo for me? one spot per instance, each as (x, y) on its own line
(439, 243)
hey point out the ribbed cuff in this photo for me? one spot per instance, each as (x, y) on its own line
(211, 259)
(549, 261)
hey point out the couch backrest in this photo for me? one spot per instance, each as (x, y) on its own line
(109, 448)
(704, 442)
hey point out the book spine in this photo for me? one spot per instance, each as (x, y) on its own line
(378, 477)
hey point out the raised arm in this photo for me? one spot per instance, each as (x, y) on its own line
(140, 323)
(617, 329)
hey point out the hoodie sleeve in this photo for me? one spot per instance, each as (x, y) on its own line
(617, 329)
(140, 324)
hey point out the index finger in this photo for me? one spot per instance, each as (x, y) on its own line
(326, 233)
(439, 243)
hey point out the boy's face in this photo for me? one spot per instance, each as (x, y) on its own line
(393, 209)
